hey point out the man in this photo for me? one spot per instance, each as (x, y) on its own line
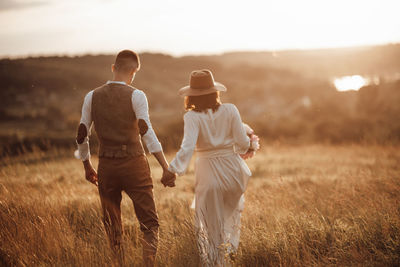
(120, 115)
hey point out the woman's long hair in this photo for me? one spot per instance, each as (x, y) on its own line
(203, 102)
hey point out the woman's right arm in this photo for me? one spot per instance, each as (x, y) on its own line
(182, 159)
(240, 137)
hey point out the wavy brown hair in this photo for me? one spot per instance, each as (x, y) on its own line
(203, 102)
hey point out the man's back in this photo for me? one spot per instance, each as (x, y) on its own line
(115, 121)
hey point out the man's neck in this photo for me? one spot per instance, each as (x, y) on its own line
(117, 81)
(118, 78)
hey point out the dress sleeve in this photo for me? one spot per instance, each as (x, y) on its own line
(141, 108)
(86, 120)
(182, 159)
(242, 141)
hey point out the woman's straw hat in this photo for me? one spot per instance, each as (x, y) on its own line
(201, 83)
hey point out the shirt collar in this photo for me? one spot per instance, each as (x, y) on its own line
(118, 82)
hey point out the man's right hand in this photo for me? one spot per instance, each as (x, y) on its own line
(90, 172)
(168, 178)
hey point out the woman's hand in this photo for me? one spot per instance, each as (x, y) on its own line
(248, 155)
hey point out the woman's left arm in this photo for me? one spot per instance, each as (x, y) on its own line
(241, 139)
(191, 132)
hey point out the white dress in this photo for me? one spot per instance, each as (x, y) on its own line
(221, 177)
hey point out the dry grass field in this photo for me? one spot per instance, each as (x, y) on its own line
(309, 205)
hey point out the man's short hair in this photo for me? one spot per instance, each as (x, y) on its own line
(127, 61)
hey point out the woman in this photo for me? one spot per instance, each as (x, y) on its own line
(218, 135)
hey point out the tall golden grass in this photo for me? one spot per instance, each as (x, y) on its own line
(309, 205)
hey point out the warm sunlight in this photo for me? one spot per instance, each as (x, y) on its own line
(280, 117)
(347, 83)
(31, 27)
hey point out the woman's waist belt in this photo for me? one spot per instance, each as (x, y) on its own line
(215, 153)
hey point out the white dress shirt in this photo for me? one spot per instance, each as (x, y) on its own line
(141, 109)
(211, 131)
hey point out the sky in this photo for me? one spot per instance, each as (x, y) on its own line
(182, 27)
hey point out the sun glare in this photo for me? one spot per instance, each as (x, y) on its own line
(347, 83)
(263, 25)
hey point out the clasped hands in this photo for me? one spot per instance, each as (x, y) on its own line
(168, 178)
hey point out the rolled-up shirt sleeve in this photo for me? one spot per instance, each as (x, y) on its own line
(242, 141)
(86, 120)
(141, 109)
(182, 159)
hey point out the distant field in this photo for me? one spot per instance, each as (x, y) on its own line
(305, 206)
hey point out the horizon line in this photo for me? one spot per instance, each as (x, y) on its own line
(198, 54)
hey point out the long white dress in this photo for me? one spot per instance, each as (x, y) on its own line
(221, 178)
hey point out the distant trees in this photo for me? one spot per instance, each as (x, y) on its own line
(42, 97)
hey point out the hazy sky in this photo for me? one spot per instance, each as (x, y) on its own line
(191, 27)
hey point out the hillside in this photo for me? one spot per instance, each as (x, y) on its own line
(285, 95)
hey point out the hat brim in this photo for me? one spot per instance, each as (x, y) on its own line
(188, 91)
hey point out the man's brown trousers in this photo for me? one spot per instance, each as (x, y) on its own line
(132, 175)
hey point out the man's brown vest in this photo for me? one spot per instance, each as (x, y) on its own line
(115, 121)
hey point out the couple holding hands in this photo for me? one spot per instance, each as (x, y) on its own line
(211, 128)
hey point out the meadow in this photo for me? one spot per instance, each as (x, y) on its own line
(306, 205)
